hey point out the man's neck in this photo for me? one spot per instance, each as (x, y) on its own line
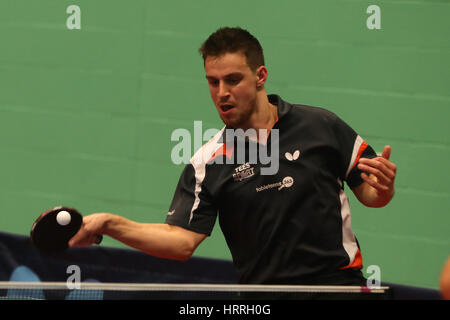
(264, 117)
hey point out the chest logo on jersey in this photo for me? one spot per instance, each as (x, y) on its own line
(286, 183)
(243, 172)
(292, 157)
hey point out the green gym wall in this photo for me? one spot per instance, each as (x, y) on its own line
(89, 100)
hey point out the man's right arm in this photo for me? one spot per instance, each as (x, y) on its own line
(160, 240)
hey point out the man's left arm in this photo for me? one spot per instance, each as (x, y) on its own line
(378, 188)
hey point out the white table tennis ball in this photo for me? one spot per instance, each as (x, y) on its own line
(63, 218)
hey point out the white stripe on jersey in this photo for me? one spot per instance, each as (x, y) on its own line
(348, 238)
(358, 142)
(198, 161)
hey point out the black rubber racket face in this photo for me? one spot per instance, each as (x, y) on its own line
(49, 235)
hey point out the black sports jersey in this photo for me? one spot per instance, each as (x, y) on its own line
(292, 227)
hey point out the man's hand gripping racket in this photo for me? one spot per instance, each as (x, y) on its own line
(53, 229)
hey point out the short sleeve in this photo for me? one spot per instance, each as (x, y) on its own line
(192, 207)
(352, 148)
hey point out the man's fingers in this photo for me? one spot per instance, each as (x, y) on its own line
(385, 166)
(74, 242)
(377, 172)
(386, 152)
(382, 171)
(89, 231)
(81, 238)
(374, 183)
(388, 164)
(381, 163)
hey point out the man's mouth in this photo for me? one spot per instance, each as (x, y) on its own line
(226, 107)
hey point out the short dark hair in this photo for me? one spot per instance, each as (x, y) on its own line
(231, 40)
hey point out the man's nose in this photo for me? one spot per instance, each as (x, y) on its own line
(223, 90)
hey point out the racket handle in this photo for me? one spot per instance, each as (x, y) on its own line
(99, 239)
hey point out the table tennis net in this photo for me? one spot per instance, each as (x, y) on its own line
(129, 291)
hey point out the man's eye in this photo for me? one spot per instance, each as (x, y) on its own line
(233, 81)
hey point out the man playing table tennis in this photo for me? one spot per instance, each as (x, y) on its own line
(292, 226)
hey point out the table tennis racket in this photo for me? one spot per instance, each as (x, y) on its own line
(53, 229)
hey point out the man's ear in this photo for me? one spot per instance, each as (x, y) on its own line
(261, 76)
